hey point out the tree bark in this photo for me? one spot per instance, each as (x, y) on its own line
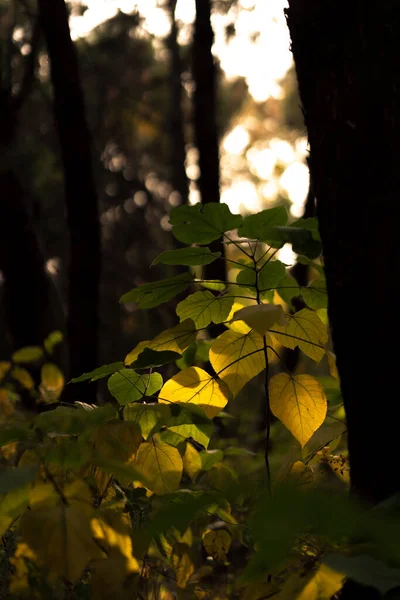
(205, 120)
(347, 59)
(80, 194)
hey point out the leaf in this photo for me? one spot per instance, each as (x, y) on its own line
(261, 317)
(189, 420)
(302, 240)
(238, 326)
(237, 358)
(315, 295)
(204, 308)
(52, 340)
(116, 440)
(187, 256)
(176, 339)
(299, 402)
(178, 510)
(192, 464)
(310, 224)
(268, 278)
(112, 531)
(149, 417)
(12, 479)
(99, 373)
(209, 458)
(324, 584)
(128, 386)
(183, 564)
(152, 358)
(59, 533)
(4, 368)
(198, 387)
(288, 288)
(217, 543)
(305, 330)
(149, 295)
(161, 464)
(214, 285)
(364, 569)
(257, 226)
(12, 505)
(202, 223)
(28, 354)
(13, 432)
(52, 382)
(23, 377)
(332, 365)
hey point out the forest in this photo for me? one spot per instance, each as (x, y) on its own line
(198, 275)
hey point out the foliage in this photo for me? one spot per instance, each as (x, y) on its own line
(139, 492)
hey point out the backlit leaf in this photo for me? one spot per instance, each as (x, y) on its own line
(323, 585)
(257, 226)
(128, 386)
(192, 462)
(112, 531)
(299, 402)
(198, 387)
(261, 317)
(59, 532)
(23, 377)
(52, 382)
(175, 339)
(238, 326)
(305, 330)
(28, 354)
(182, 563)
(268, 278)
(217, 543)
(149, 295)
(52, 340)
(288, 288)
(202, 223)
(237, 358)
(99, 373)
(187, 256)
(118, 440)
(315, 295)
(209, 458)
(213, 284)
(149, 417)
(152, 358)
(190, 420)
(161, 464)
(204, 308)
(4, 368)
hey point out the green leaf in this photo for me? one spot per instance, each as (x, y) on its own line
(153, 358)
(73, 421)
(366, 570)
(315, 295)
(13, 432)
(176, 339)
(257, 226)
(311, 225)
(99, 373)
(209, 458)
(149, 295)
(204, 308)
(288, 288)
(269, 276)
(128, 386)
(202, 223)
(187, 256)
(302, 240)
(28, 354)
(213, 285)
(13, 479)
(52, 340)
(149, 417)
(189, 420)
(195, 355)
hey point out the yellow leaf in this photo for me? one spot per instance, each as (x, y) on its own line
(305, 330)
(4, 368)
(176, 339)
(117, 440)
(261, 317)
(301, 474)
(161, 464)
(237, 358)
(323, 585)
(6, 406)
(238, 326)
(19, 581)
(57, 530)
(114, 535)
(332, 365)
(217, 543)
(191, 462)
(299, 402)
(204, 308)
(182, 564)
(109, 580)
(23, 377)
(52, 382)
(198, 387)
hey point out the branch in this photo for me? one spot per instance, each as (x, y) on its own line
(29, 73)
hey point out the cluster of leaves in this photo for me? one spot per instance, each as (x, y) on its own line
(129, 500)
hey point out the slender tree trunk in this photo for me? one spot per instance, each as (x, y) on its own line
(205, 119)
(80, 194)
(348, 66)
(178, 152)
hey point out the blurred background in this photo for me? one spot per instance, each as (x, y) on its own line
(85, 188)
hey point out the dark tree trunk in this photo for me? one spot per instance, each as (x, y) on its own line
(80, 194)
(205, 119)
(178, 152)
(348, 66)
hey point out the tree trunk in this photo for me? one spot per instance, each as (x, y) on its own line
(80, 194)
(348, 67)
(178, 152)
(205, 120)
